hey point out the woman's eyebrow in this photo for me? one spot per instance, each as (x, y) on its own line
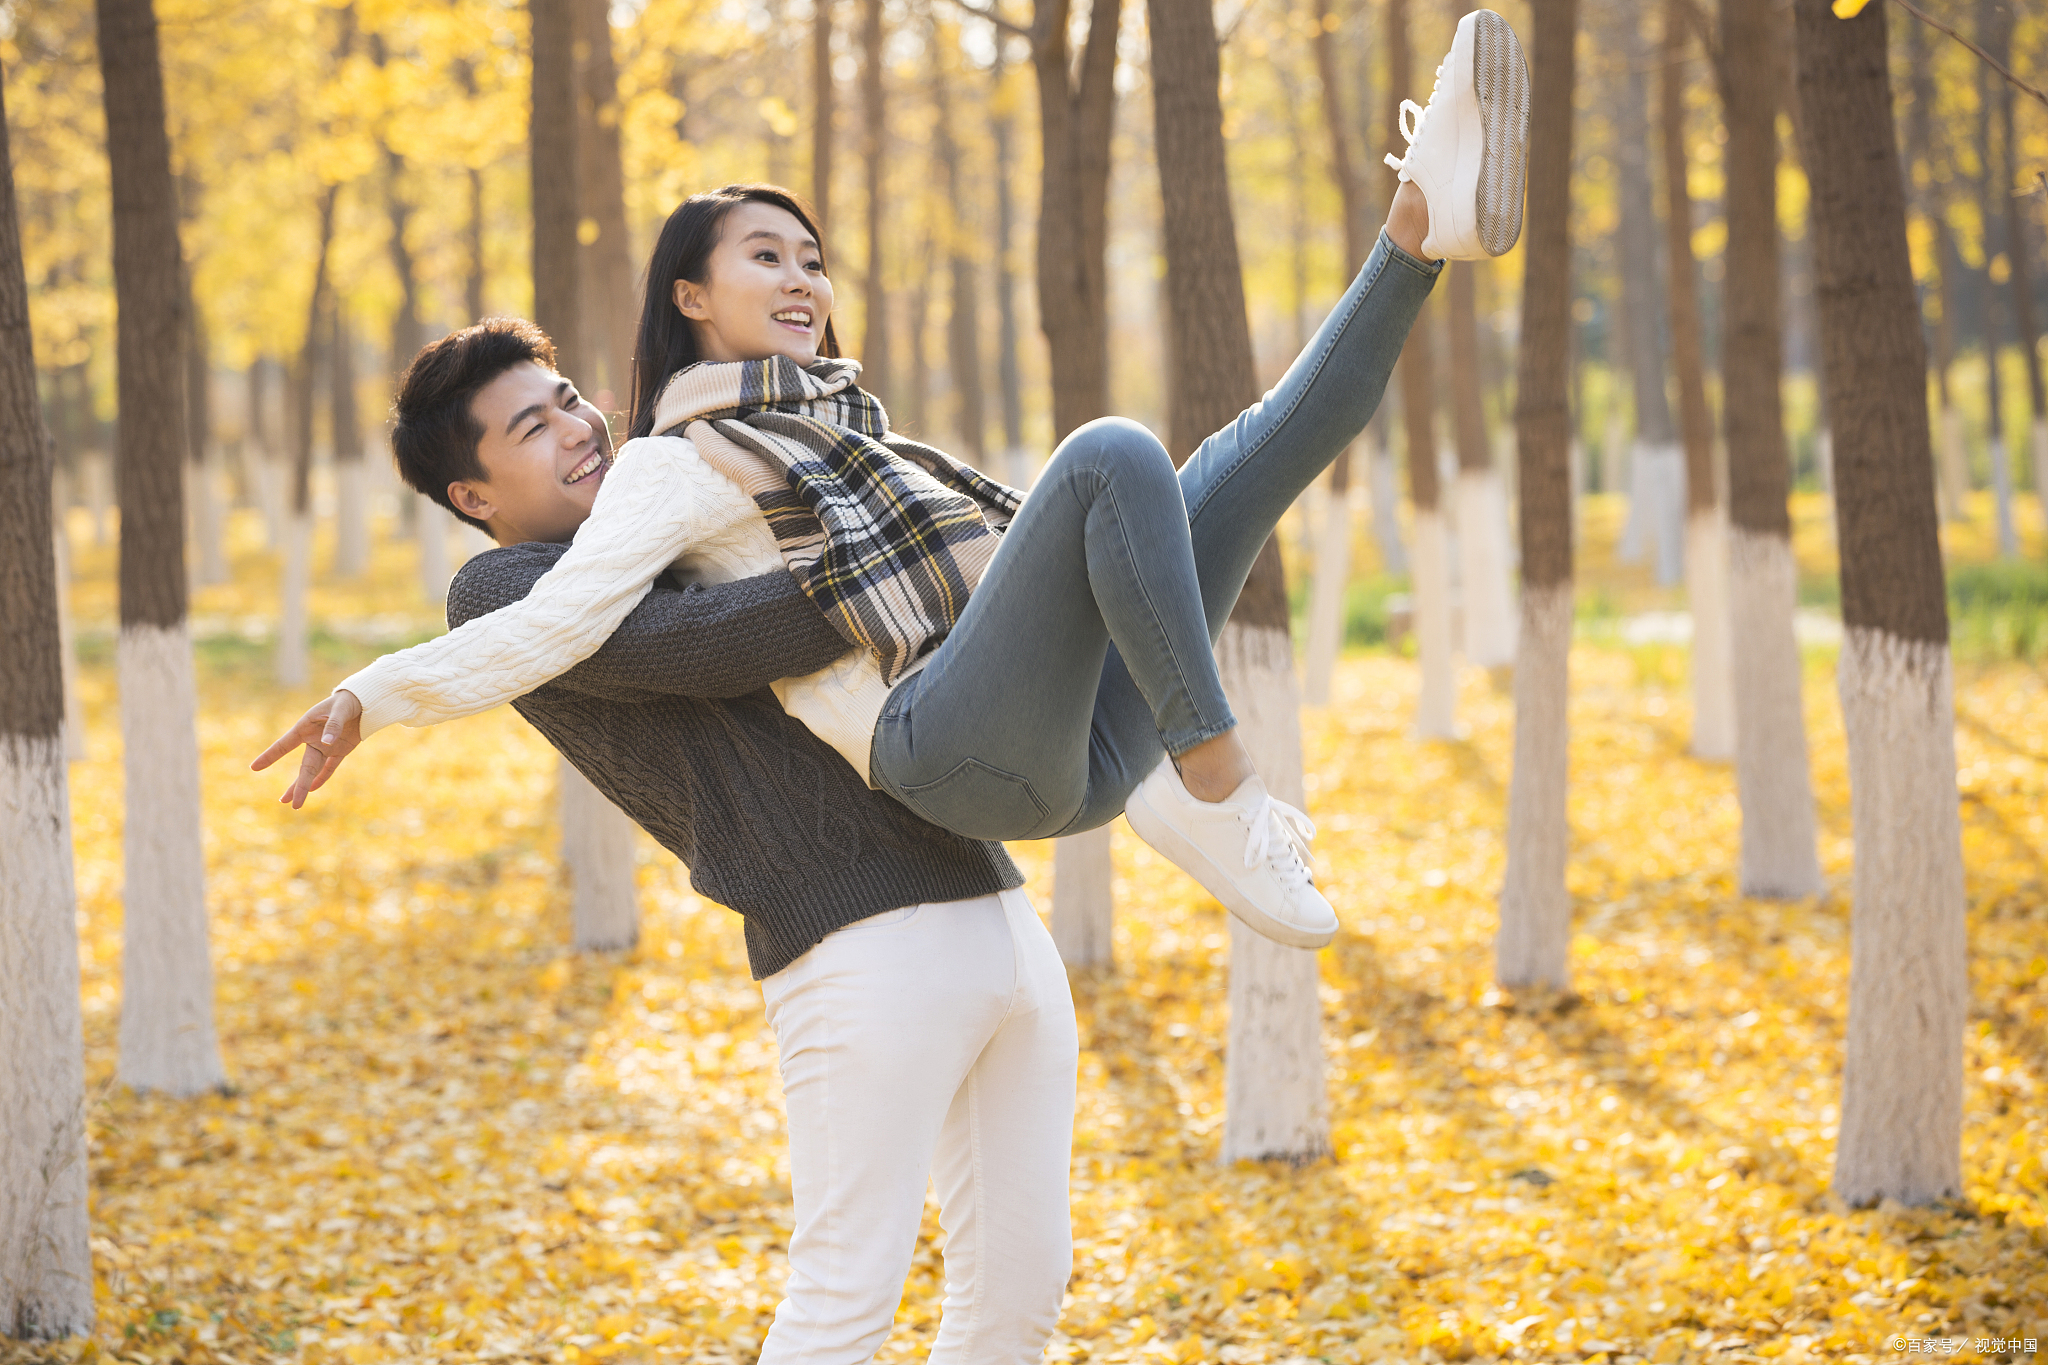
(777, 237)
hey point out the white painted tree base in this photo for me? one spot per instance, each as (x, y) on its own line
(167, 1032)
(597, 847)
(1773, 776)
(1909, 988)
(1083, 903)
(292, 662)
(45, 1262)
(1534, 945)
(1275, 1084)
(1706, 590)
(1437, 702)
(431, 523)
(1326, 597)
(351, 518)
(1488, 577)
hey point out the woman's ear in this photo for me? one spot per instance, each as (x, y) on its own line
(469, 501)
(690, 300)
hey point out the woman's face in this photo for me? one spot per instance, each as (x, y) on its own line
(764, 291)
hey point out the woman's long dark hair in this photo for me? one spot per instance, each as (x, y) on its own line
(667, 343)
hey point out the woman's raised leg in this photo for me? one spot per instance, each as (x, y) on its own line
(1241, 481)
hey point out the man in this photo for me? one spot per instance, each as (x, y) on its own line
(673, 721)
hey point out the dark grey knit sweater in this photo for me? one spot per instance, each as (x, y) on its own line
(672, 719)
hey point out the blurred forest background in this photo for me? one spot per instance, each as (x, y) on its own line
(431, 1088)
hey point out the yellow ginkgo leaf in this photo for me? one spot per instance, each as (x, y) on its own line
(1849, 9)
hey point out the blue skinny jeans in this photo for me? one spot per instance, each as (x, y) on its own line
(1087, 650)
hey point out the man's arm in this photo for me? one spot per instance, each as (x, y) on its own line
(716, 640)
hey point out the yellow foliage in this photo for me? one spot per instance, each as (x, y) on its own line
(449, 1140)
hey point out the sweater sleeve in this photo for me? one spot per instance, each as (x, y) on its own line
(703, 640)
(646, 514)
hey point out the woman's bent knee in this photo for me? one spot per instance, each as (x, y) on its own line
(1115, 445)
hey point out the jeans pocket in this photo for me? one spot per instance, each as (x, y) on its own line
(976, 801)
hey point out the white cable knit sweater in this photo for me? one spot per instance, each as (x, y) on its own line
(661, 505)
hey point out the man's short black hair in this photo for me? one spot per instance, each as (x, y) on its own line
(434, 437)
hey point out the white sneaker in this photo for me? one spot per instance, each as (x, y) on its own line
(1249, 851)
(1468, 152)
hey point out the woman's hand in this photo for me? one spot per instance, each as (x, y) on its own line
(330, 732)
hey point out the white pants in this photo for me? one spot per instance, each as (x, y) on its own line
(933, 1041)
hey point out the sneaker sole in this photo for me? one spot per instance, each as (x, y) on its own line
(1500, 77)
(1157, 831)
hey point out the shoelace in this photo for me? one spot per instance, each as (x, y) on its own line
(1293, 828)
(1414, 131)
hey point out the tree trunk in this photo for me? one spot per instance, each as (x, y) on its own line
(821, 111)
(1535, 908)
(556, 183)
(1909, 991)
(1009, 375)
(963, 325)
(610, 309)
(292, 664)
(1994, 396)
(1076, 118)
(594, 832)
(1951, 471)
(1706, 530)
(1436, 705)
(45, 1263)
(876, 377)
(1276, 1104)
(1656, 456)
(351, 483)
(2020, 252)
(167, 1035)
(1771, 768)
(1326, 609)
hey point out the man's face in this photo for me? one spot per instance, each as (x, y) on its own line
(544, 451)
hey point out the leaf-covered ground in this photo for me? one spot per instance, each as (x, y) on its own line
(451, 1140)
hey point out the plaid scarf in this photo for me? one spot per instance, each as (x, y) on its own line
(887, 536)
